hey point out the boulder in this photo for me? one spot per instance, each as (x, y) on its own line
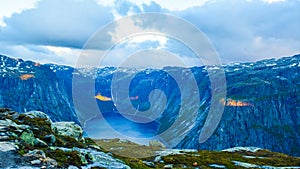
(70, 129)
(168, 166)
(7, 123)
(8, 146)
(3, 128)
(7, 114)
(35, 162)
(157, 159)
(40, 143)
(50, 139)
(4, 138)
(3, 110)
(95, 147)
(12, 135)
(50, 161)
(149, 164)
(38, 114)
(35, 153)
(72, 167)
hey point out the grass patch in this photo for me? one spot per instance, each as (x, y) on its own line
(127, 148)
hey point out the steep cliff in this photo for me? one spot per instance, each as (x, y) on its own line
(262, 107)
(270, 117)
(26, 86)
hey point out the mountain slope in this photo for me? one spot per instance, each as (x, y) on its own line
(262, 107)
(26, 86)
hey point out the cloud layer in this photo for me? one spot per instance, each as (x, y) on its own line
(239, 30)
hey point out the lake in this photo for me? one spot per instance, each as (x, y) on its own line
(113, 125)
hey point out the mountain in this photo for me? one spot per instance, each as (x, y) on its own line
(261, 108)
(27, 85)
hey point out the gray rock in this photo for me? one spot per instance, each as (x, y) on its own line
(216, 166)
(8, 114)
(35, 153)
(157, 159)
(8, 146)
(166, 152)
(50, 161)
(27, 167)
(40, 143)
(50, 139)
(7, 123)
(149, 164)
(70, 129)
(4, 138)
(238, 149)
(95, 147)
(3, 128)
(168, 166)
(14, 115)
(37, 114)
(35, 162)
(99, 159)
(12, 134)
(4, 110)
(72, 167)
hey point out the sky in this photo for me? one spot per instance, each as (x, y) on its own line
(57, 31)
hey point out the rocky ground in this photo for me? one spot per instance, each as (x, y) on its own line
(32, 140)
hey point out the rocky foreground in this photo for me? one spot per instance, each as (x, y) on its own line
(32, 140)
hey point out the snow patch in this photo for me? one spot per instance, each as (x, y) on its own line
(237, 149)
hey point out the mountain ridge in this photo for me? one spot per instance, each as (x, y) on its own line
(271, 87)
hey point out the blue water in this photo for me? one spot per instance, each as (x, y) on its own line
(114, 125)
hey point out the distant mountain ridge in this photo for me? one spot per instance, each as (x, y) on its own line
(268, 89)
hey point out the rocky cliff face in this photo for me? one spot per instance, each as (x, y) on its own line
(261, 108)
(26, 86)
(269, 118)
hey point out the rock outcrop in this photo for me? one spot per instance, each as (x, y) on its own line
(32, 140)
(69, 129)
(28, 141)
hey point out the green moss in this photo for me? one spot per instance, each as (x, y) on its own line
(69, 142)
(28, 137)
(89, 141)
(65, 158)
(135, 163)
(40, 126)
(24, 148)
